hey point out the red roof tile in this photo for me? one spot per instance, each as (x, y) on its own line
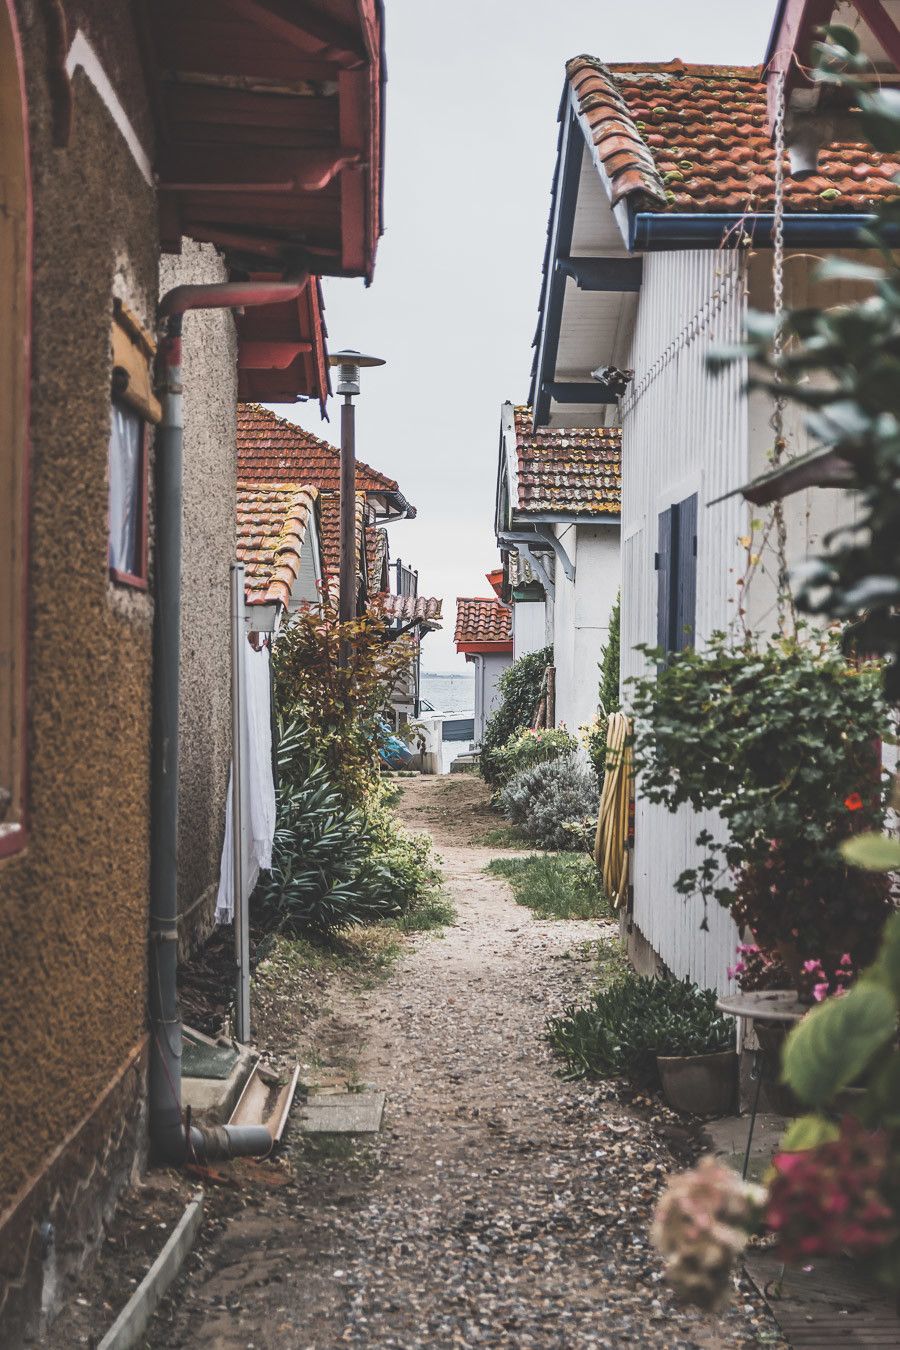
(272, 524)
(575, 470)
(695, 138)
(481, 621)
(330, 533)
(271, 449)
(425, 608)
(377, 554)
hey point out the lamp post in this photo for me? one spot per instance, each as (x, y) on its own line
(349, 364)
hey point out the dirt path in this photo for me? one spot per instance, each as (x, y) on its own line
(499, 1206)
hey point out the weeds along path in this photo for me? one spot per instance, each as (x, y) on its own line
(500, 1206)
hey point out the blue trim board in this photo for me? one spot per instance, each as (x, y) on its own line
(559, 242)
(657, 231)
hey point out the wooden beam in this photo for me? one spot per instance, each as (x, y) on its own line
(270, 355)
(248, 168)
(799, 20)
(882, 26)
(296, 24)
(603, 274)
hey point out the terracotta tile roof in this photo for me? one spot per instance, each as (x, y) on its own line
(409, 607)
(272, 524)
(482, 620)
(330, 533)
(271, 449)
(695, 138)
(575, 470)
(377, 556)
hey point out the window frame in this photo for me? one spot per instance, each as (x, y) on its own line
(138, 581)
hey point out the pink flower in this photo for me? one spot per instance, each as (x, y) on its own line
(810, 966)
(820, 991)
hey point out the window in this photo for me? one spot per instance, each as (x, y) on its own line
(676, 570)
(127, 497)
(15, 269)
(133, 407)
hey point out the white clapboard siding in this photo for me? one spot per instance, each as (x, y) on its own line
(684, 431)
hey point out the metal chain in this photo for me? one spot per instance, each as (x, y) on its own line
(785, 599)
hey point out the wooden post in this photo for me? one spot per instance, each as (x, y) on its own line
(551, 697)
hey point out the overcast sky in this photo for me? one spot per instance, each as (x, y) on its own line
(472, 97)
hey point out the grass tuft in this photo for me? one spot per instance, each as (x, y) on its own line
(432, 912)
(555, 886)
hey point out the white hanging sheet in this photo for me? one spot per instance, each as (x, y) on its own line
(258, 787)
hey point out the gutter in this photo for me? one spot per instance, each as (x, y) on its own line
(652, 231)
(174, 1139)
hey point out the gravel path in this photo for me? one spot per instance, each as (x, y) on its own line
(500, 1206)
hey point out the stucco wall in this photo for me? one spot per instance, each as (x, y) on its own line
(581, 617)
(73, 905)
(210, 475)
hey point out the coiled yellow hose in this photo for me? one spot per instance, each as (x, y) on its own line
(611, 850)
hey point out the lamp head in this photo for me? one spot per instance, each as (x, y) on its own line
(350, 362)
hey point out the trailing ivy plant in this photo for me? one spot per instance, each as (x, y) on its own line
(781, 742)
(520, 690)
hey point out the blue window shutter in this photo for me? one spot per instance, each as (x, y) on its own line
(685, 579)
(664, 582)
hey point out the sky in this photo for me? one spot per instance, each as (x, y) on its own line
(472, 99)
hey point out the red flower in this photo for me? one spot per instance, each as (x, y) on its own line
(854, 802)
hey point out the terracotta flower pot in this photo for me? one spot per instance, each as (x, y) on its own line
(702, 1085)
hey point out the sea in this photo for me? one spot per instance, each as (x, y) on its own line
(451, 691)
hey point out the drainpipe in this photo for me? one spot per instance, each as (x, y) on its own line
(173, 1140)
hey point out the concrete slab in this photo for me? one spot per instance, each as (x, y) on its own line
(349, 1113)
(728, 1140)
(214, 1099)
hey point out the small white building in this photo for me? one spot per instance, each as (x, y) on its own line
(484, 636)
(557, 525)
(659, 242)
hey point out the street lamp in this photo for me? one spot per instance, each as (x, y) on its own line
(349, 364)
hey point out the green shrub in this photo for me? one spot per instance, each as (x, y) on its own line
(402, 865)
(593, 738)
(555, 887)
(554, 804)
(520, 686)
(335, 865)
(321, 860)
(528, 748)
(624, 1027)
(609, 663)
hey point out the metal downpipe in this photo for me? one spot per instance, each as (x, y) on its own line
(173, 1139)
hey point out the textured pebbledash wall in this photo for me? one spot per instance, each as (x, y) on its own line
(209, 376)
(73, 904)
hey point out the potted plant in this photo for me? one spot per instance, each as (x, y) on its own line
(696, 1055)
(644, 1029)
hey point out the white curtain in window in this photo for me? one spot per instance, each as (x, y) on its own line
(125, 490)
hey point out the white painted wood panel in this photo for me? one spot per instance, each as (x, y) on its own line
(683, 432)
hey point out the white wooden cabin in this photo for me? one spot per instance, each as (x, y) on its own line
(659, 240)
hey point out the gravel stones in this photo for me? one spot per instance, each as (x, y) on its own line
(500, 1205)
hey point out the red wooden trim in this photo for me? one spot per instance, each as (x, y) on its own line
(140, 581)
(485, 648)
(15, 839)
(882, 25)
